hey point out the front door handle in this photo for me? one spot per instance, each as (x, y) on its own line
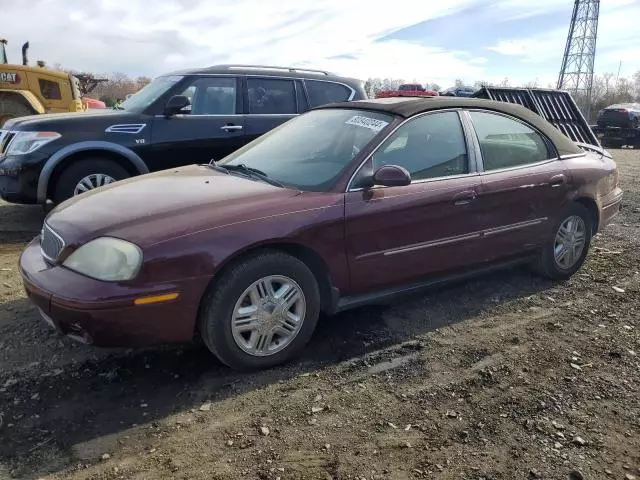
(231, 128)
(558, 180)
(465, 197)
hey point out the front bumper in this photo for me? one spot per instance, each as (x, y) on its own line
(19, 177)
(104, 313)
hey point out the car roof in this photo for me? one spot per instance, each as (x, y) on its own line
(632, 106)
(267, 71)
(407, 107)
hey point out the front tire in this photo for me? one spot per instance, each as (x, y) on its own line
(261, 312)
(85, 175)
(567, 248)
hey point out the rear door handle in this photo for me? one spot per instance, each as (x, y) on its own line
(465, 197)
(231, 128)
(557, 180)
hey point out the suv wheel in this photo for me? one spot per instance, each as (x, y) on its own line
(567, 249)
(261, 312)
(87, 174)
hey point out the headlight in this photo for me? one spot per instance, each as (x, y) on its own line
(27, 142)
(106, 258)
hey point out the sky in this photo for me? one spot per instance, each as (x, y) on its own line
(434, 41)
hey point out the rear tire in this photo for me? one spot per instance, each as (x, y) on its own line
(234, 311)
(573, 226)
(86, 172)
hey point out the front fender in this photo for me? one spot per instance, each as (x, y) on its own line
(28, 97)
(93, 146)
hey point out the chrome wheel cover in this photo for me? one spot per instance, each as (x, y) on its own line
(268, 315)
(92, 181)
(570, 242)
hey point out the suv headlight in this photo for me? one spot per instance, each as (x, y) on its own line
(27, 142)
(106, 258)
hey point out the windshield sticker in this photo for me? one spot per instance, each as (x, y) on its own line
(366, 122)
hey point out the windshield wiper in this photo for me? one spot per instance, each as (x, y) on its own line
(248, 171)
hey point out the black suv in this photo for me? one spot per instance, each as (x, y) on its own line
(181, 118)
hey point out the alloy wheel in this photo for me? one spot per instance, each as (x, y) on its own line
(570, 242)
(268, 315)
(92, 181)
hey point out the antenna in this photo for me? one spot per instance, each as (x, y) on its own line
(576, 73)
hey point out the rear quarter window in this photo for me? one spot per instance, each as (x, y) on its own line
(321, 93)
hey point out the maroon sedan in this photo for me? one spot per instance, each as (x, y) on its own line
(340, 206)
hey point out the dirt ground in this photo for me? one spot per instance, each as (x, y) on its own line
(506, 377)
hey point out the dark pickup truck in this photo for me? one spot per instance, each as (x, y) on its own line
(181, 118)
(619, 125)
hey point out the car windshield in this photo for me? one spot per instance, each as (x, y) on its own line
(149, 94)
(310, 152)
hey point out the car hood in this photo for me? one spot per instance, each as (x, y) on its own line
(160, 206)
(50, 121)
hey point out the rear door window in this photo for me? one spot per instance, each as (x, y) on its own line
(506, 142)
(321, 93)
(269, 96)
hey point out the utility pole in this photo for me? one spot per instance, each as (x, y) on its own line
(576, 73)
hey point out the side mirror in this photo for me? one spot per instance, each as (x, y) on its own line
(392, 176)
(175, 104)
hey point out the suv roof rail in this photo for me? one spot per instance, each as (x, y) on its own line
(272, 67)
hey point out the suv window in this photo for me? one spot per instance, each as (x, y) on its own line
(321, 93)
(50, 90)
(505, 142)
(211, 96)
(271, 96)
(429, 146)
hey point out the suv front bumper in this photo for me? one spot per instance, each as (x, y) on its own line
(19, 177)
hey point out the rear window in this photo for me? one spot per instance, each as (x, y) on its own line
(321, 93)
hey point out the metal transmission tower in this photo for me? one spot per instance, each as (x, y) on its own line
(576, 74)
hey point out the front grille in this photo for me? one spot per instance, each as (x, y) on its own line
(51, 244)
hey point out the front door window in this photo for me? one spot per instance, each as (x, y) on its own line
(211, 96)
(430, 146)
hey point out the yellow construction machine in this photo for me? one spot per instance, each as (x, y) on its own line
(30, 90)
